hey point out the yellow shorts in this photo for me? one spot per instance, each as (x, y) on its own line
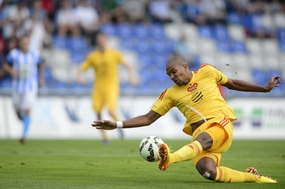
(100, 98)
(221, 131)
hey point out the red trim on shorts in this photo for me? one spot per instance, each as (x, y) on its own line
(224, 122)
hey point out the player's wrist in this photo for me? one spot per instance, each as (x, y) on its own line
(119, 124)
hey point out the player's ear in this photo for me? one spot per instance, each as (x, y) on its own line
(184, 65)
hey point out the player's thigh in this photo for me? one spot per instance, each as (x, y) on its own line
(28, 100)
(111, 101)
(97, 101)
(17, 98)
(221, 136)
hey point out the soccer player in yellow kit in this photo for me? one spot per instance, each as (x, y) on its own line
(105, 63)
(208, 120)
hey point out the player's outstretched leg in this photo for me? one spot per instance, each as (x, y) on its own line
(187, 152)
(26, 119)
(164, 157)
(259, 177)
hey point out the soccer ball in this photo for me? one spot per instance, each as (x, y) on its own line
(149, 148)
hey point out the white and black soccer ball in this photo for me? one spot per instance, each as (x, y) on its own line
(149, 148)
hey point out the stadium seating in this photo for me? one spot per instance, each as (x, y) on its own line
(6, 82)
(148, 46)
(225, 47)
(234, 18)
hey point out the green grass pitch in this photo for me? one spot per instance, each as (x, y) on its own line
(86, 164)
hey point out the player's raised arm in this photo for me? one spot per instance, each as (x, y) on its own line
(139, 121)
(241, 85)
(132, 80)
(41, 69)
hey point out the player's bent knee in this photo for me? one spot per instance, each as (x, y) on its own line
(208, 173)
(207, 168)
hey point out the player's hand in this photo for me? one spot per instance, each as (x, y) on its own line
(42, 82)
(273, 82)
(80, 80)
(14, 73)
(104, 124)
(133, 81)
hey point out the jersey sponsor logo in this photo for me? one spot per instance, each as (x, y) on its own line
(197, 96)
(193, 87)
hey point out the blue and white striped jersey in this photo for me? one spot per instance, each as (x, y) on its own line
(26, 65)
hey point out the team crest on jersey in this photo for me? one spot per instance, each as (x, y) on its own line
(193, 87)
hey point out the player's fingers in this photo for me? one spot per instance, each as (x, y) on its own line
(97, 123)
(97, 126)
(277, 80)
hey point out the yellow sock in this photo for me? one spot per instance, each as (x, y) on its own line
(115, 117)
(225, 174)
(187, 152)
(104, 134)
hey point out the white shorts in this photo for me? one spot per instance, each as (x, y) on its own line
(24, 101)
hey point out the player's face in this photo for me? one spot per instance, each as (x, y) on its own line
(178, 73)
(102, 40)
(24, 44)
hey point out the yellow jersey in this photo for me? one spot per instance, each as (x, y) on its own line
(199, 99)
(105, 65)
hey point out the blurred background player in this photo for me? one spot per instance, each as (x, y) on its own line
(26, 68)
(105, 63)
